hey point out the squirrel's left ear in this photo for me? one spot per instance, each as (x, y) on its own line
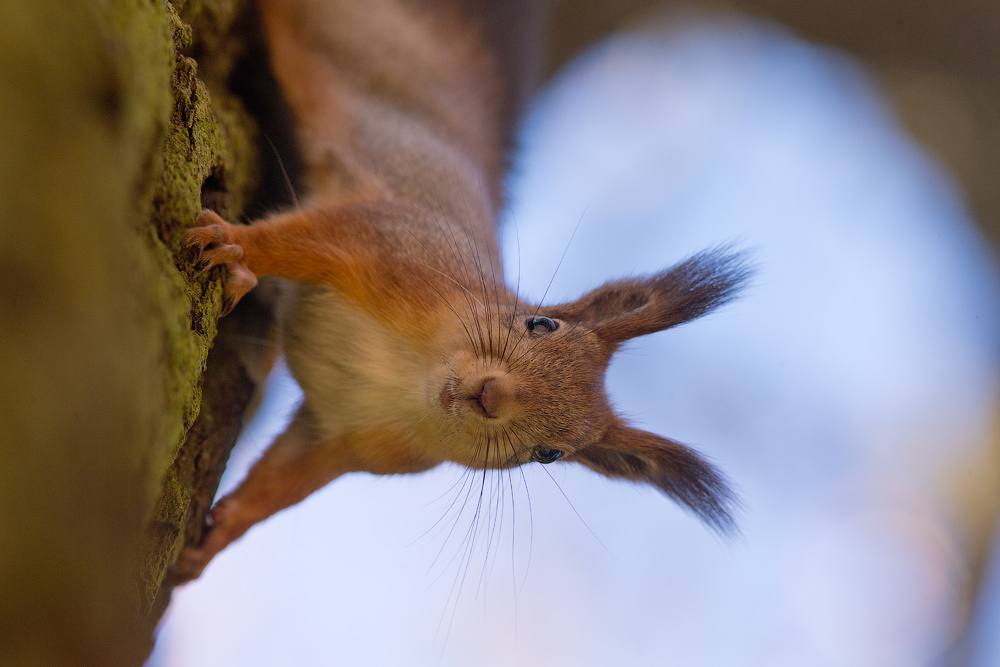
(675, 469)
(623, 309)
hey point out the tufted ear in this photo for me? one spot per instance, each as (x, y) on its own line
(623, 309)
(677, 470)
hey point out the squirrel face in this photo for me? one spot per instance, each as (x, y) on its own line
(531, 388)
(518, 383)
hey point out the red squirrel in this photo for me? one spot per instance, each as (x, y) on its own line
(409, 349)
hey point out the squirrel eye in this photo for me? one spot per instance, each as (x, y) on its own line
(541, 325)
(546, 455)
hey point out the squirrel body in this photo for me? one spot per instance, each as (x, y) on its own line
(409, 348)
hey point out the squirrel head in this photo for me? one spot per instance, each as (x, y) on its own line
(522, 383)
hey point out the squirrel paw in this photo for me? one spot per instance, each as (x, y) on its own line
(189, 566)
(219, 532)
(211, 240)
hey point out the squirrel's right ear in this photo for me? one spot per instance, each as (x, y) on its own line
(623, 309)
(677, 470)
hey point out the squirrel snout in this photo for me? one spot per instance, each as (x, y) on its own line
(491, 398)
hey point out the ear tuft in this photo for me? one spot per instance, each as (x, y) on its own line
(702, 283)
(675, 469)
(623, 309)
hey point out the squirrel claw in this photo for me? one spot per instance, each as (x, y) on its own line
(239, 281)
(211, 242)
(221, 254)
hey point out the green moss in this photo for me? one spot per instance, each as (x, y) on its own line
(212, 20)
(180, 31)
(203, 142)
(108, 138)
(207, 157)
(164, 536)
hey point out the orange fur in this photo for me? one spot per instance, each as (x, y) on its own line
(409, 349)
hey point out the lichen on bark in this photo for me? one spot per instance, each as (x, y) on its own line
(208, 159)
(108, 138)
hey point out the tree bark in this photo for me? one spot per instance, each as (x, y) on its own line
(111, 143)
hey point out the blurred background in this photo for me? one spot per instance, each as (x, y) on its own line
(851, 395)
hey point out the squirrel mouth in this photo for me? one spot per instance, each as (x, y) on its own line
(447, 396)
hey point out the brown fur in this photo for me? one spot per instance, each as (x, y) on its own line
(409, 349)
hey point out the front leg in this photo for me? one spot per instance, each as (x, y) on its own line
(288, 246)
(299, 462)
(362, 250)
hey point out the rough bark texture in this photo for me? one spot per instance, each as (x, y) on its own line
(110, 143)
(209, 160)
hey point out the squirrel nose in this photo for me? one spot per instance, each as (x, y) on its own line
(492, 397)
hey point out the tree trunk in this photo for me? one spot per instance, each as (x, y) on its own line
(111, 143)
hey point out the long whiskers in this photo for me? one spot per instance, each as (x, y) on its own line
(453, 245)
(578, 515)
(514, 361)
(496, 489)
(469, 543)
(517, 288)
(531, 527)
(452, 279)
(284, 172)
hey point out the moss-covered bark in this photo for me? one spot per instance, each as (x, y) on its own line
(207, 159)
(109, 145)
